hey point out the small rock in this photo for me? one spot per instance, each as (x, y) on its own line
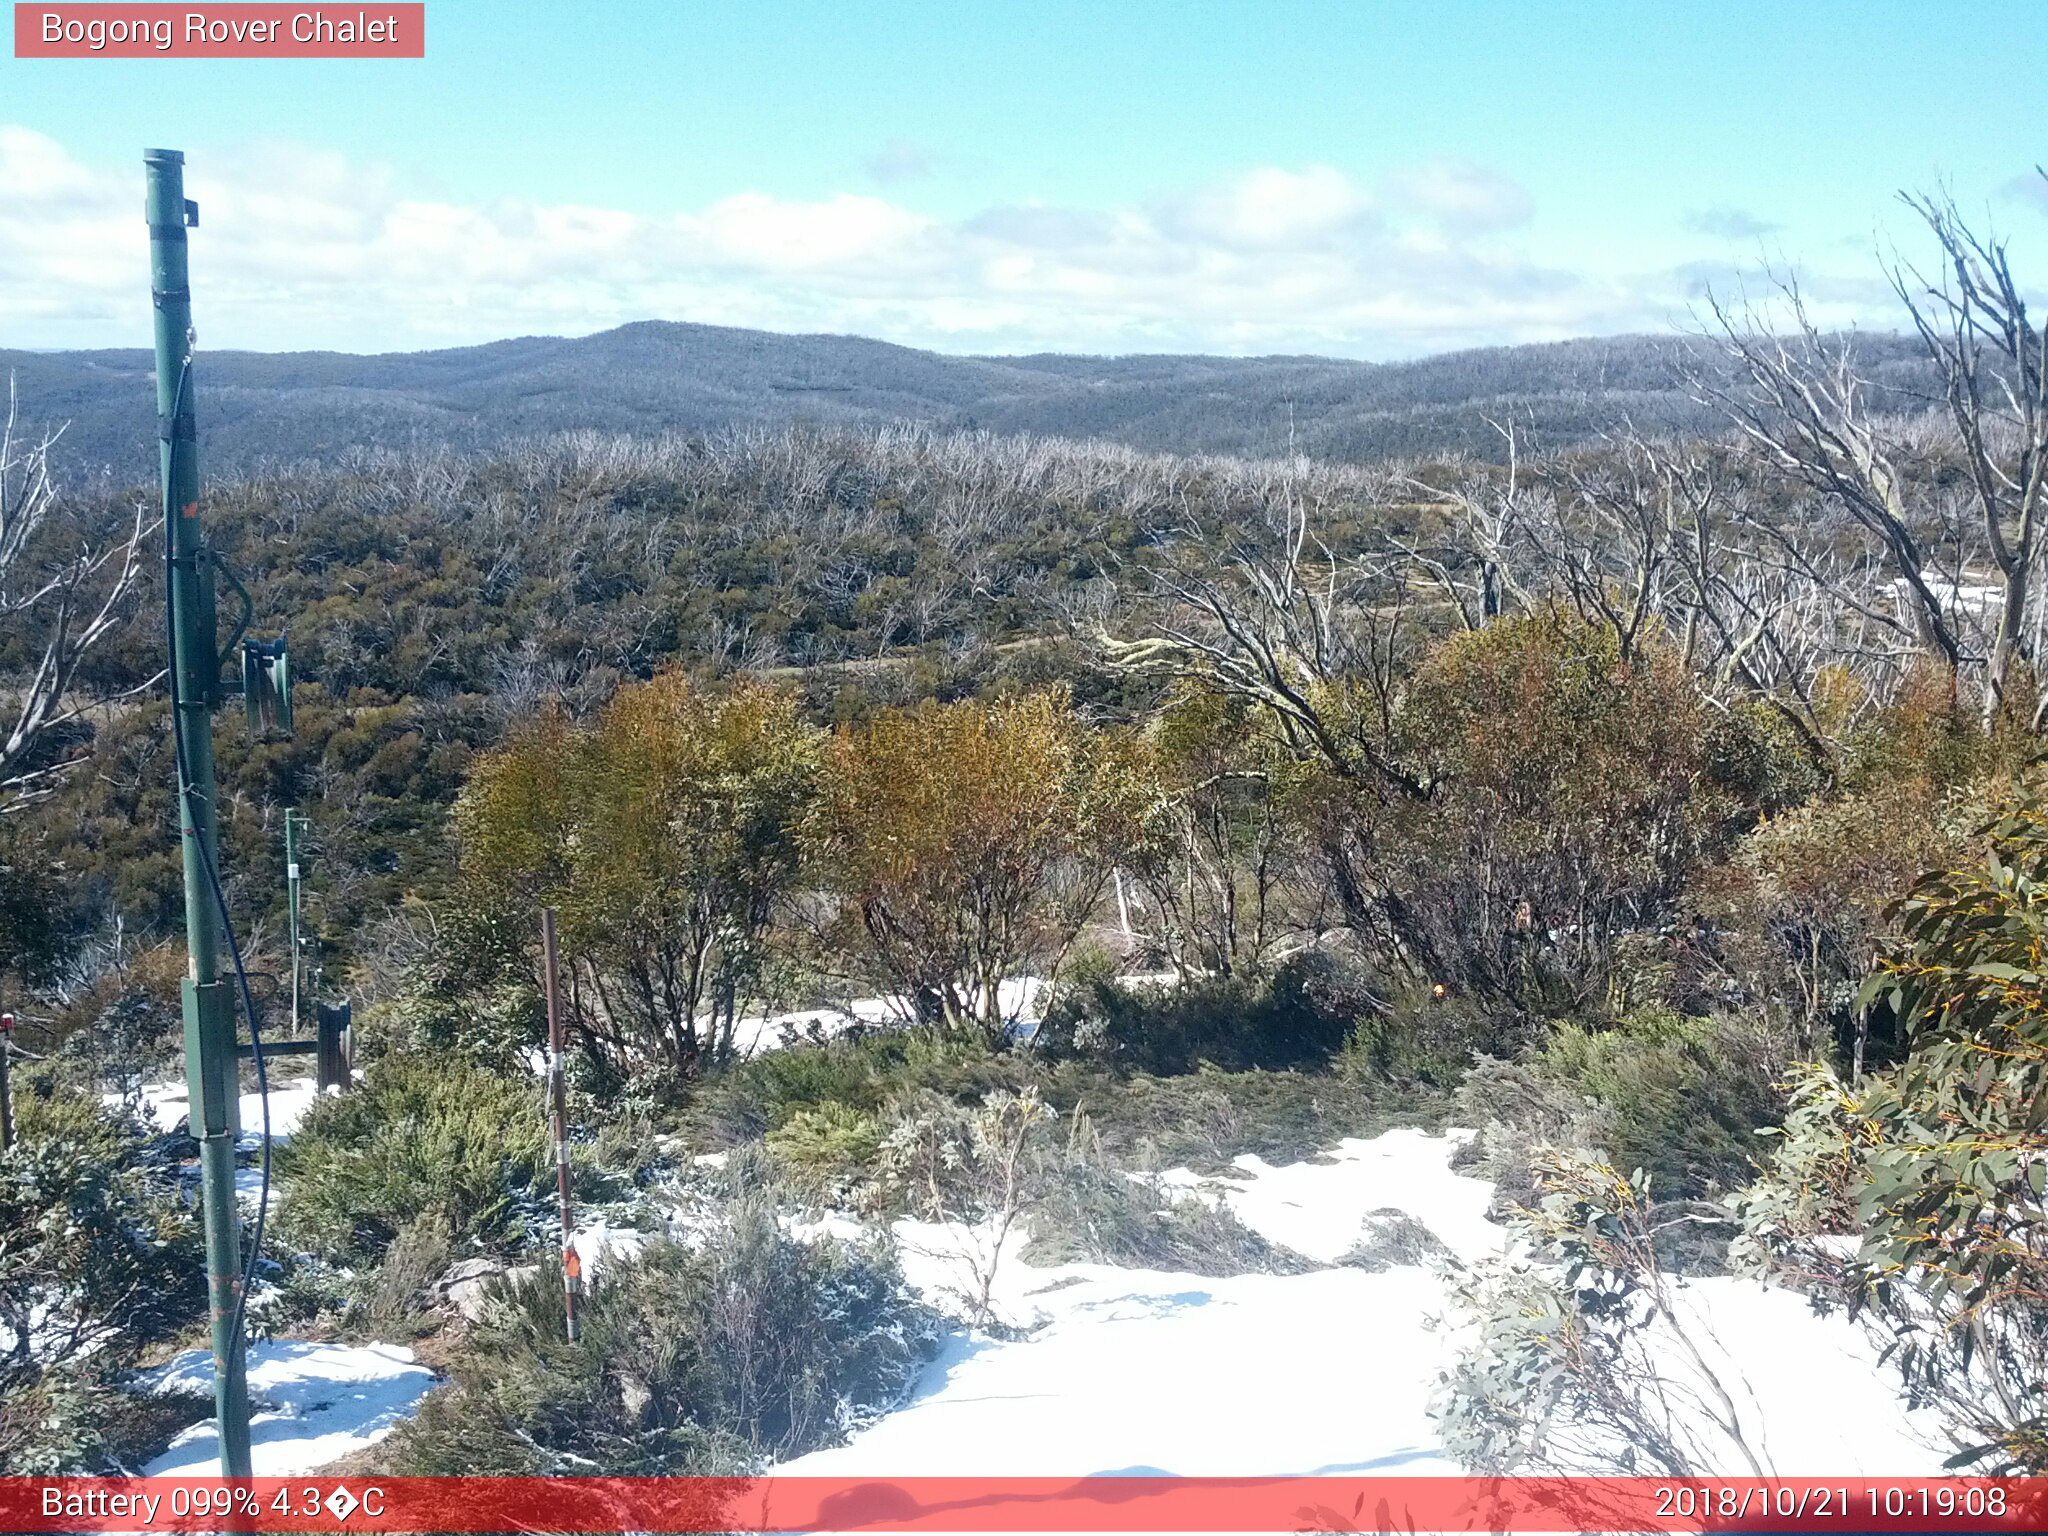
(462, 1285)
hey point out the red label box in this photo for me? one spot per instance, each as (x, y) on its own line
(371, 30)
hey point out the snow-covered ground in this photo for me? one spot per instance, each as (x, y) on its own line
(1138, 1371)
(312, 1404)
(1318, 1209)
(1134, 1371)
(165, 1104)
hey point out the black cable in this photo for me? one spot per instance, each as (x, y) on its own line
(210, 863)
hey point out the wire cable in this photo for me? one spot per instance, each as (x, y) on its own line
(211, 864)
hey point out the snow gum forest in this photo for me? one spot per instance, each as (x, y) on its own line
(1519, 955)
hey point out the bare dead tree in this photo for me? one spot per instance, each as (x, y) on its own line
(1481, 571)
(1993, 365)
(1287, 626)
(67, 591)
(1800, 401)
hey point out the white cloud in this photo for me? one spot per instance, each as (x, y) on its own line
(1271, 208)
(1464, 198)
(300, 249)
(765, 233)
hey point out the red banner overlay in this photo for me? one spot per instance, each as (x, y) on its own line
(1017, 1504)
(369, 29)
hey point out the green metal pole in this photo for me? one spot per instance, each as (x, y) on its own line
(211, 1067)
(291, 875)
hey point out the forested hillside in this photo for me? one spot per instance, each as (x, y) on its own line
(276, 409)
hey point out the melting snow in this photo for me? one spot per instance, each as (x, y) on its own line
(1019, 998)
(165, 1104)
(1142, 1371)
(311, 1404)
(1319, 1208)
(1329, 1372)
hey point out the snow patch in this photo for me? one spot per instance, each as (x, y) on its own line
(312, 1404)
(1319, 1208)
(1327, 1373)
(163, 1105)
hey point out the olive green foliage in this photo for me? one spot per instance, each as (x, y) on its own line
(1085, 1212)
(374, 770)
(1805, 897)
(1941, 1162)
(97, 1259)
(1206, 1118)
(826, 1149)
(1221, 879)
(666, 835)
(746, 1347)
(1567, 799)
(1588, 1363)
(1684, 1097)
(1674, 1099)
(423, 1143)
(1274, 1022)
(863, 1073)
(116, 1021)
(1416, 1037)
(966, 845)
(32, 907)
(473, 994)
(1808, 892)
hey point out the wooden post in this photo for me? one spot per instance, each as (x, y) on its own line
(332, 1036)
(572, 1263)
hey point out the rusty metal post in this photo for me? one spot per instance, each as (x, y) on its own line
(572, 1264)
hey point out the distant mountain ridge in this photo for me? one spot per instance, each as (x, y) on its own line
(260, 408)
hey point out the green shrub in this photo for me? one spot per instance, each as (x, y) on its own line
(971, 1164)
(1940, 1163)
(720, 1356)
(1236, 1023)
(423, 1138)
(1419, 1039)
(1086, 1213)
(826, 1149)
(418, 1256)
(96, 1261)
(306, 1296)
(1206, 1118)
(1569, 1363)
(861, 1072)
(1759, 754)
(1679, 1099)
(472, 995)
(1568, 799)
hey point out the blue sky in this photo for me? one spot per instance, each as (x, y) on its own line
(1363, 179)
